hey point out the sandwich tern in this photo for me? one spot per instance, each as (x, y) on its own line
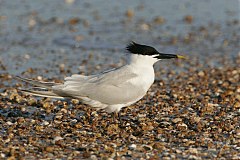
(110, 90)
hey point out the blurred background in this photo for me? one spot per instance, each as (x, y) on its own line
(57, 38)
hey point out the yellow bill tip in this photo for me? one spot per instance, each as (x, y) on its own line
(181, 57)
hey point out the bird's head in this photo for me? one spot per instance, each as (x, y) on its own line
(150, 52)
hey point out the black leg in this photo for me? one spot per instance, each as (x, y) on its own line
(117, 117)
(113, 116)
(120, 119)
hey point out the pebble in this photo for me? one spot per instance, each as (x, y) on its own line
(49, 149)
(182, 126)
(3, 155)
(147, 147)
(129, 13)
(45, 123)
(187, 114)
(93, 157)
(145, 27)
(176, 120)
(57, 138)
(188, 19)
(9, 123)
(193, 150)
(201, 73)
(69, 1)
(159, 20)
(193, 157)
(132, 146)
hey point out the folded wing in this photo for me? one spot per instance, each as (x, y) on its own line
(116, 87)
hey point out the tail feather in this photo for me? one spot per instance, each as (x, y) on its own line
(47, 85)
(49, 94)
(42, 89)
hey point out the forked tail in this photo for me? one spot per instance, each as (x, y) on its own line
(46, 88)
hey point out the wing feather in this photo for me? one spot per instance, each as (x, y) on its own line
(113, 87)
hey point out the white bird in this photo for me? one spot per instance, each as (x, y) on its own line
(110, 90)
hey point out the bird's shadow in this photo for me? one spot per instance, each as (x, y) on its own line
(14, 110)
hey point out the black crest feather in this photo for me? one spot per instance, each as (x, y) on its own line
(141, 49)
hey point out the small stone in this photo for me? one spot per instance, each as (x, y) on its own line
(142, 115)
(58, 117)
(159, 20)
(86, 154)
(193, 157)
(201, 73)
(64, 110)
(3, 155)
(20, 120)
(212, 105)
(45, 123)
(93, 157)
(49, 149)
(176, 120)
(147, 127)
(132, 146)
(75, 101)
(238, 97)
(144, 27)
(147, 147)
(188, 19)
(27, 56)
(32, 22)
(31, 101)
(39, 128)
(132, 138)
(237, 105)
(79, 38)
(61, 67)
(129, 13)
(11, 158)
(9, 123)
(189, 142)
(39, 78)
(69, 1)
(22, 149)
(237, 135)
(74, 21)
(196, 119)
(193, 150)
(158, 145)
(182, 126)
(57, 138)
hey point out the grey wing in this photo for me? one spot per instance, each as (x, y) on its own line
(114, 87)
(116, 94)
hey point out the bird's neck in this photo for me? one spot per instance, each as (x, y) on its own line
(141, 60)
(142, 66)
